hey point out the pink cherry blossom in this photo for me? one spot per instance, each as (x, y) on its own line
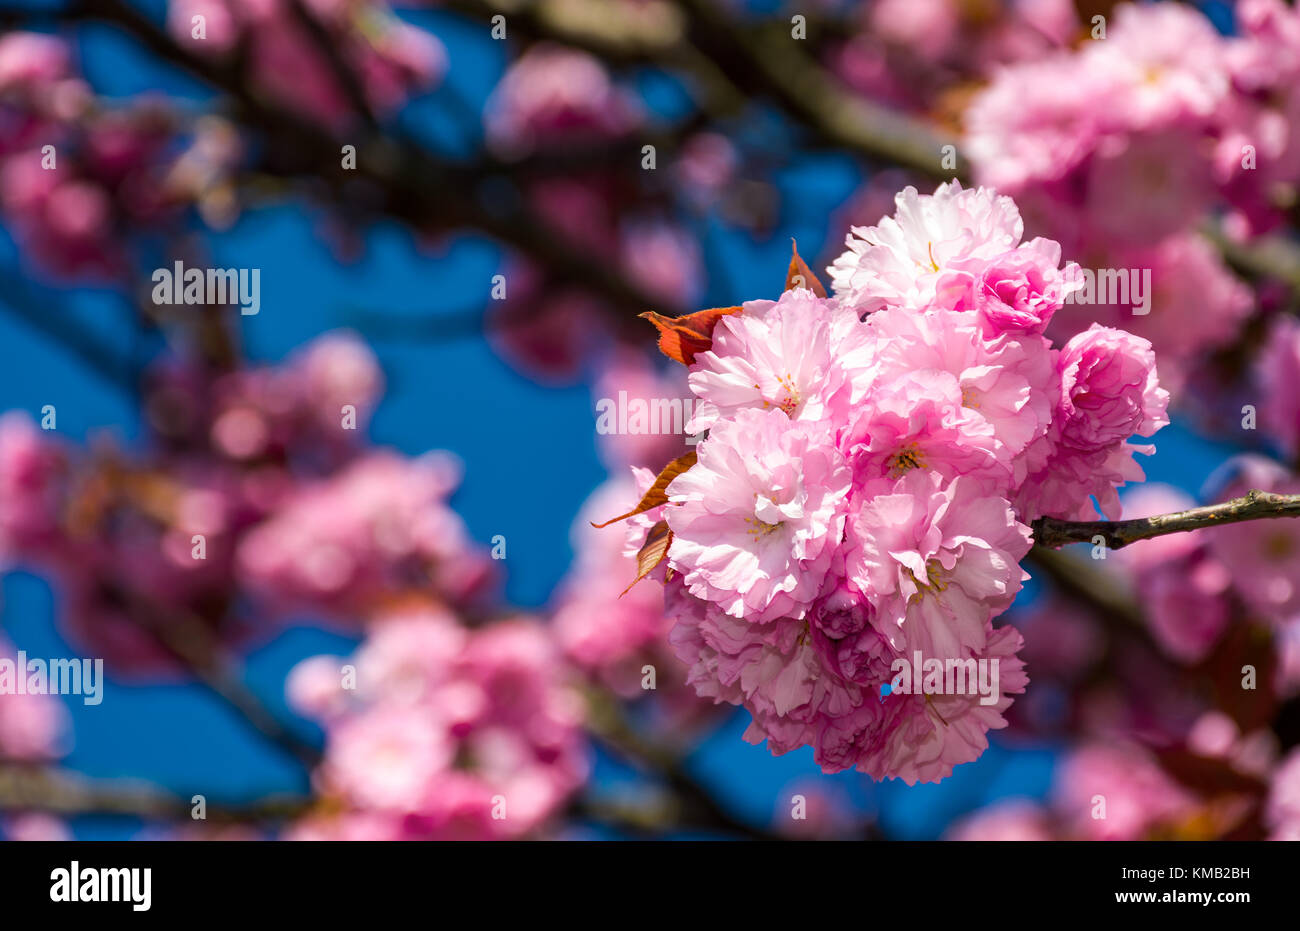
(1015, 293)
(918, 422)
(554, 94)
(899, 262)
(783, 355)
(340, 543)
(937, 560)
(1136, 793)
(755, 520)
(1278, 377)
(33, 727)
(1109, 392)
(1013, 819)
(450, 734)
(33, 473)
(1006, 384)
(1282, 811)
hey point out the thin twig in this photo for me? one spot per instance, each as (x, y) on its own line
(25, 787)
(606, 722)
(1254, 505)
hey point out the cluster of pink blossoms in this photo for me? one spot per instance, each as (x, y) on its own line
(1115, 789)
(563, 104)
(872, 464)
(1124, 146)
(257, 481)
(438, 732)
(389, 58)
(76, 170)
(615, 635)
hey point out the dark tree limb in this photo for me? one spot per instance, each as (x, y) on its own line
(1254, 505)
(32, 788)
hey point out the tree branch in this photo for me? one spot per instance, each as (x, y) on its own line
(1254, 505)
(607, 724)
(25, 787)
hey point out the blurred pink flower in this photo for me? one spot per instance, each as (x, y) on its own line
(379, 526)
(554, 94)
(1282, 810)
(451, 734)
(1117, 792)
(1006, 820)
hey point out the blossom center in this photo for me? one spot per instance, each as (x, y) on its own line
(791, 400)
(929, 249)
(936, 580)
(759, 529)
(906, 459)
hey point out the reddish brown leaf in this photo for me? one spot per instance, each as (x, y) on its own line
(680, 338)
(652, 552)
(656, 494)
(800, 275)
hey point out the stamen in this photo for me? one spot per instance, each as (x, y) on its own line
(906, 459)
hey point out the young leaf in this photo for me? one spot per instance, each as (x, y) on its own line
(652, 552)
(656, 495)
(800, 275)
(680, 338)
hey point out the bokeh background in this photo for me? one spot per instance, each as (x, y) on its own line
(508, 387)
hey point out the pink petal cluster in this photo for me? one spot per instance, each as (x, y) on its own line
(33, 477)
(1122, 147)
(256, 482)
(442, 733)
(74, 170)
(900, 261)
(1282, 810)
(1277, 376)
(607, 629)
(1117, 791)
(757, 519)
(390, 59)
(33, 728)
(380, 526)
(1109, 392)
(1014, 819)
(872, 463)
(554, 94)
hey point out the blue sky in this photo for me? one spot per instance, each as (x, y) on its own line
(515, 437)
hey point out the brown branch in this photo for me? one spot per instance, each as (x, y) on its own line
(187, 639)
(344, 74)
(772, 62)
(26, 787)
(608, 725)
(419, 189)
(1254, 505)
(1101, 591)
